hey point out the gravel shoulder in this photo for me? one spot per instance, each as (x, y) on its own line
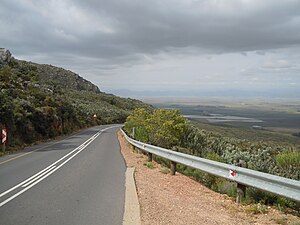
(166, 199)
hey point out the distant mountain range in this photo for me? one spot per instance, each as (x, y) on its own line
(275, 93)
(43, 101)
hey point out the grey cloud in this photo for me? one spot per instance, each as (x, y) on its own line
(260, 53)
(277, 64)
(156, 25)
(150, 27)
(142, 40)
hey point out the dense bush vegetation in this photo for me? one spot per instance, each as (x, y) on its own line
(167, 128)
(252, 155)
(33, 108)
(161, 127)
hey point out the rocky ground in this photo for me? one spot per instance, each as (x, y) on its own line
(166, 199)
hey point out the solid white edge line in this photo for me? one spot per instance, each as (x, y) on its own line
(86, 143)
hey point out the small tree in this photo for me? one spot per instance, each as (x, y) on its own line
(166, 127)
(138, 120)
(163, 127)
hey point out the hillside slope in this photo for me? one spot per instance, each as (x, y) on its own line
(43, 101)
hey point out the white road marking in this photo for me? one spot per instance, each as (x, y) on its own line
(13, 188)
(38, 177)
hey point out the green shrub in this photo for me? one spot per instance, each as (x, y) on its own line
(214, 156)
(164, 170)
(258, 209)
(160, 127)
(289, 164)
(150, 165)
(288, 158)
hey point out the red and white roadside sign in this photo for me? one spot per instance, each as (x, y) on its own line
(231, 173)
(4, 136)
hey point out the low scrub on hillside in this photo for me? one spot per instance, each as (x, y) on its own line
(35, 107)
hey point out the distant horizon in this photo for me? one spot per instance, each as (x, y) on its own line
(247, 94)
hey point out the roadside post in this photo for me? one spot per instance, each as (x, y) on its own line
(133, 132)
(133, 136)
(173, 164)
(4, 137)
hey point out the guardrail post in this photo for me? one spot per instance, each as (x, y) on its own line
(149, 157)
(133, 132)
(173, 168)
(133, 136)
(240, 192)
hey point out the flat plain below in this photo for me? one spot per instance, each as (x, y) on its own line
(277, 120)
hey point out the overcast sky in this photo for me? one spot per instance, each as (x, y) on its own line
(189, 46)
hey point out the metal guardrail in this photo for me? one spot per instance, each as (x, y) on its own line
(275, 184)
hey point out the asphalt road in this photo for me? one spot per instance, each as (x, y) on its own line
(78, 180)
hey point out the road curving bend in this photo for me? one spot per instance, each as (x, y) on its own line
(78, 180)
